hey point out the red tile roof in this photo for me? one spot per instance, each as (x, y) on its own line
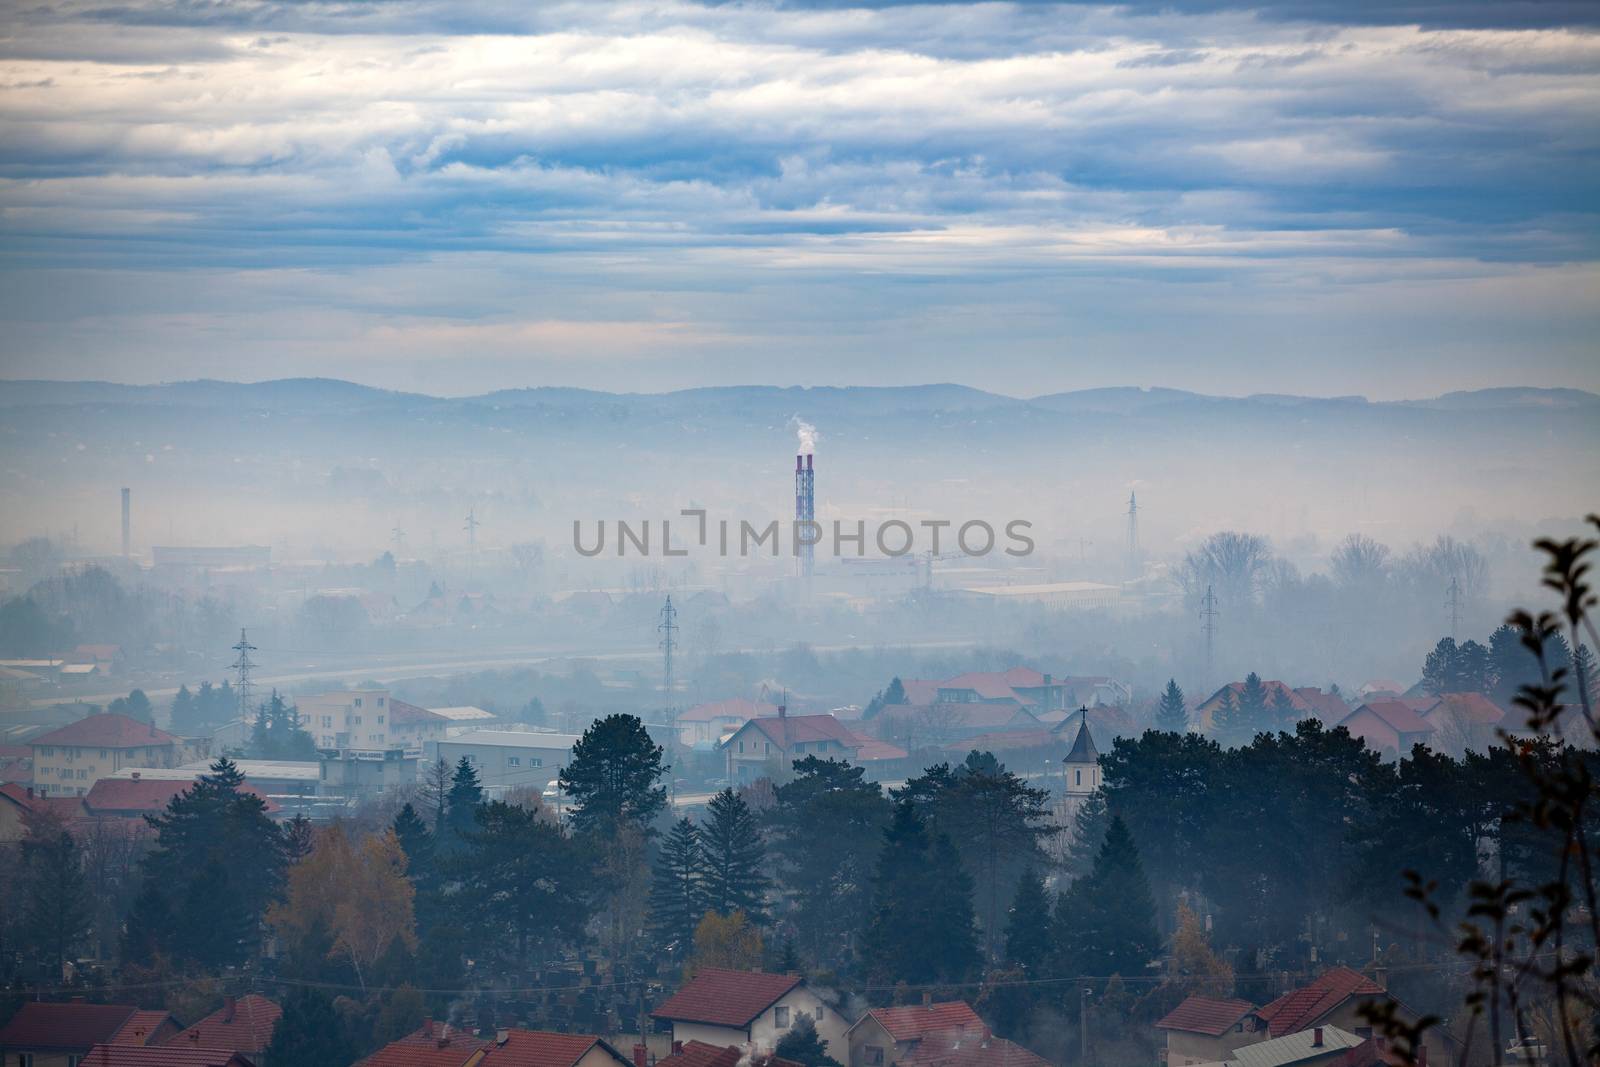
(725, 998)
(145, 1028)
(1328, 707)
(245, 1025)
(164, 1056)
(112, 796)
(876, 750)
(990, 685)
(1395, 715)
(522, 1048)
(106, 731)
(913, 1022)
(790, 729)
(65, 808)
(66, 1027)
(972, 1052)
(1206, 1015)
(1300, 1008)
(542, 1048)
(959, 716)
(700, 1054)
(423, 1048)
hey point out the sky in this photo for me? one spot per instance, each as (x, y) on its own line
(455, 196)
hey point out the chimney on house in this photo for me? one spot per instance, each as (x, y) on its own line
(501, 1036)
(427, 1027)
(927, 998)
(1316, 1037)
(640, 1052)
(230, 1005)
(677, 1047)
(783, 711)
(136, 776)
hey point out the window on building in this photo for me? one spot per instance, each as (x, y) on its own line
(102, 753)
(380, 702)
(513, 761)
(780, 1017)
(1078, 775)
(327, 722)
(24, 1059)
(356, 720)
(536, 762)
(380, 718)
(874, 1055)
(358, 702)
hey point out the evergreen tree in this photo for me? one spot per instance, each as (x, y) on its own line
(829, 875)
(1028, 926)
(184, 720)
(1106, 923)
(1172, 715)
(206, 932)
(1230, 724)
(802, 1045)
(298, 838)
(612, 777)
(521, 884)
(1284, 713)
(734, 858)
(1089, 825)
(213, 832)
(147, 931)
(415, 841)
(309, 1032)
(55, 903)
(461, 803)
(1253, 702)
(677, 896)
(135, 706)
(921, 928)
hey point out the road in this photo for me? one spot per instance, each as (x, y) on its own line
(391, 669)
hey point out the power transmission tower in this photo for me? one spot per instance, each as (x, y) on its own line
(1453, 602)
(243, 665)
(1133, 536)
(668, 628)
(472, 538)
(1208, 622)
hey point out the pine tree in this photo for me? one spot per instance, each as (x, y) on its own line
(1284, 713)
(1105, 923)
(677, 895)
(612, 777)
(734, 858)
(1172, 715)
(1028, 926)
(184, 719)
(147, 930)
(1253, 701)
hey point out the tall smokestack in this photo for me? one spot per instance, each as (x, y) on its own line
(127, 514)
(805, 511)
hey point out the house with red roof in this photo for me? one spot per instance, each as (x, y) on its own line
(243, 1024)
(69, 761)
(44, 1034)
(16, 764)
(18, 802)
(1389, 727)
(766, 745)
(886, 1036)
(1277, 693)
(989, 1051)
(132, 798)
(1334, 999)
(721, 1007)
(919, 726)
(1209, 1029)
(437, 1045)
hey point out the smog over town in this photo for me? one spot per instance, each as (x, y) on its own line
(799, 533)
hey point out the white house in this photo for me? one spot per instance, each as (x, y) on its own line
(505, 759)
(725, 1008)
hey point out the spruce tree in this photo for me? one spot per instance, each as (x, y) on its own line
(1172, 715)
(1253, 702)
(1229, 723)
(1028, 926)
(802, 1045)
(1284, 713)
(677, 892)
(1106, 923)
(1089, 825)
(461, 803)
(921, 928)
(735, 858)
(612, 777)
(184, 720)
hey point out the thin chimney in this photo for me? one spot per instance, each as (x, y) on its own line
(1316, 1037)
(229, 1006)
(640, 1054)
(927, 998)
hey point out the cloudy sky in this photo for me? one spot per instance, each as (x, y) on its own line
(460, 195)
